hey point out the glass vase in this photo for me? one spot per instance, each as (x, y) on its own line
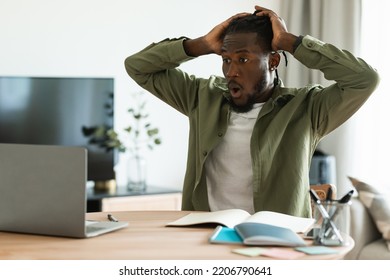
(136, 173)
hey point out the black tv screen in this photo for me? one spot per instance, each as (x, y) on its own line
(53, 111)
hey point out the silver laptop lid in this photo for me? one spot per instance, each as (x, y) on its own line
(43, 189)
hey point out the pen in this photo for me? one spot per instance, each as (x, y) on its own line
(329, 194)
(347, 197)
(325, 214)
(112, 218)
(320, 207)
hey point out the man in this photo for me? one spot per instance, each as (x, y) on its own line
(251, 139)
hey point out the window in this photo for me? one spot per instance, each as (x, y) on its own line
(372, 131)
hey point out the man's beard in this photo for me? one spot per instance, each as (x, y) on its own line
(248, 106)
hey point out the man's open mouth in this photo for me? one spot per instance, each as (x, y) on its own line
(235, 89)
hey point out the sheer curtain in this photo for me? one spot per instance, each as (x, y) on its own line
(332, 21)
(371, 135)
(337, 22)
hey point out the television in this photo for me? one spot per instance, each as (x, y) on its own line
(54, 111)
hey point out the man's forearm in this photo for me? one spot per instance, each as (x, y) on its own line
(288, 42)
(197, 47)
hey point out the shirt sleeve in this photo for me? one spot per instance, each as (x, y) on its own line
(354, 79)
(155, 69)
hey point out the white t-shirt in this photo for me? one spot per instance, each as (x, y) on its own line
(229, 174)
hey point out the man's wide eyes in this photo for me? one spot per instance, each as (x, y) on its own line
(241, 60)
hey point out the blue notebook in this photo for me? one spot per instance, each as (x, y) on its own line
(223, 234)
(257, 234)
(265, 234)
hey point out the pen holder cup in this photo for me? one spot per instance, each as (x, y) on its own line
(332, 230)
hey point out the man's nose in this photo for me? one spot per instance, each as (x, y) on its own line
(232, 71)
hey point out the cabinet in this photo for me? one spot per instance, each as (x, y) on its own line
(154, 198)
(142, 202)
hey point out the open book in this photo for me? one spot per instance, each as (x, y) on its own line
(232, 217)
(257, 234)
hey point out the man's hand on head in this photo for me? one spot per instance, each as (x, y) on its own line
(282, 40)
(212, 41)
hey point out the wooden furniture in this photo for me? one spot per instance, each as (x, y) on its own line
(154, 198)
(121, 199)
(147, 237)
(167, 201)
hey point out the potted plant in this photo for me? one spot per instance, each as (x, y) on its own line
(136, 137)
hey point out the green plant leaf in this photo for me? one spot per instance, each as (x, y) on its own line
(111, 134)
(152, 132)
(141, 133)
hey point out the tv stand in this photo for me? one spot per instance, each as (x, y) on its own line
(121, 199)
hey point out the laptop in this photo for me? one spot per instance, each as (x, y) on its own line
(43, 191)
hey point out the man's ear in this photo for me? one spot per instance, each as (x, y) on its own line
(274, 60)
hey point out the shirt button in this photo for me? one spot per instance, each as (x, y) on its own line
(205, 153)
(220, 134)
(310, 45)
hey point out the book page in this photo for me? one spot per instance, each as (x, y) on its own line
(296, 224)
(228, 218)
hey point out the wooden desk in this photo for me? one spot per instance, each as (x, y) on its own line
(146, 238)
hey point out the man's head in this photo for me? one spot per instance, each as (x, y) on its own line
(248, 61)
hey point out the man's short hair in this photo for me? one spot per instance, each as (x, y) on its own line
(253, 24)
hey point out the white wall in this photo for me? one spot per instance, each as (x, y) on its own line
(92, 38)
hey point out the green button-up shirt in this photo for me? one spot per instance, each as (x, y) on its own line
(287, 130)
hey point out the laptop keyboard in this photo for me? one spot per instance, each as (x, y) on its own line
(91, 229)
